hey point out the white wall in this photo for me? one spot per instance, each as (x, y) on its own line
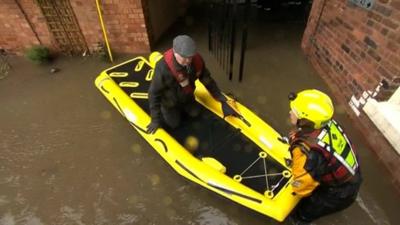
(386, 116)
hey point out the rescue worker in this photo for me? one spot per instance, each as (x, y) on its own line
(171, 91)
(325, 168)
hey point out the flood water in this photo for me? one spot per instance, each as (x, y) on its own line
(67, 156)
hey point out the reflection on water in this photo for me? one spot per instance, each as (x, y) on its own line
(373, 211)
(25, 217)
(3, 200)
(7, 219)
(167, 200)
(137, 149)
(154, 179)
(12, 181)
(210, 216)
(69, 215)
(105, 114)
(127, 219)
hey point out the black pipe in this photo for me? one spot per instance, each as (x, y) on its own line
(214, 37)
(318, 21)
(219, 31)
(226, 38)
(216, 26)
(244, 39)
(209, 27)
(232, 39)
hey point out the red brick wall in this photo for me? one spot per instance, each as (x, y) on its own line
(353, 49)
(88, 20)
(124, 21)
(37, 21)
(16, 33)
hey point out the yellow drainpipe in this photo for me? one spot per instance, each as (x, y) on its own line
(104, 30)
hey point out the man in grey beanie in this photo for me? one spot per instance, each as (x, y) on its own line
(171, 91)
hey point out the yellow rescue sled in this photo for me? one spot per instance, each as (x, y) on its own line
(240, 158)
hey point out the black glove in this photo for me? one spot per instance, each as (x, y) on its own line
(228, 110)
(152, 127)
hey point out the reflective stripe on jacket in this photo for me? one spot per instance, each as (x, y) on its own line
(339, 160)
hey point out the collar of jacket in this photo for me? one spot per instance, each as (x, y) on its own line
(178, 66)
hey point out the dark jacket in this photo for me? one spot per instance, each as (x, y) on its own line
(165, 91)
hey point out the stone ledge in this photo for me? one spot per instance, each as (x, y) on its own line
(386, 117)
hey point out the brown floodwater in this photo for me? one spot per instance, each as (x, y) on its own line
(67, 156)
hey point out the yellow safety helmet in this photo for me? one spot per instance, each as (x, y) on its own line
(312, 105)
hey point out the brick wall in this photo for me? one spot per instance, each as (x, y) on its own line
(353, 49)
(16, 32)
(88, 20)
(23, 25)
(124, 22)
(37, 21)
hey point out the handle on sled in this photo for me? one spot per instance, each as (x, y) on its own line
(244, 120)
(234, 106)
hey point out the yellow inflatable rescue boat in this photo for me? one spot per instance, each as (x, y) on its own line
(239, 158)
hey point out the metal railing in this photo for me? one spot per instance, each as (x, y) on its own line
(4, 64)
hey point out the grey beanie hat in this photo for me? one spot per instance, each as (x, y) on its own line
(184, 46)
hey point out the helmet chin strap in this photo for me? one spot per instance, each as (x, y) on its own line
(305, 125)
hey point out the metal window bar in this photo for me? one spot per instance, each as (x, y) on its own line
(223, 26)
(4, 64)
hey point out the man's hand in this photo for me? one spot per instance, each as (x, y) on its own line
(228, 110)
(152, 127)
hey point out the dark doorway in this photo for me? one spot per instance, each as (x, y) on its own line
(230, 22)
